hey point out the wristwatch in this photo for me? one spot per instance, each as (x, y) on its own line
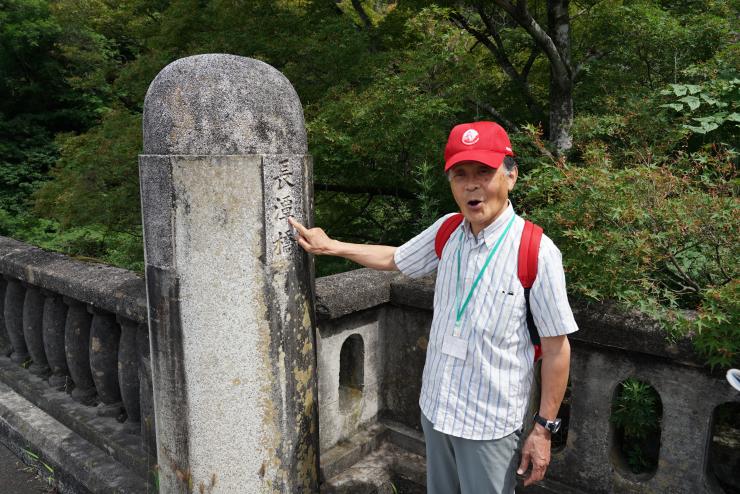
(551, 425)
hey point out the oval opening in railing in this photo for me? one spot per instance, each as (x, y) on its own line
(637, 411)
(723, 460)
(351, 372)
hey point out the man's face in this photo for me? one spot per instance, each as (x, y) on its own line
(481, 192)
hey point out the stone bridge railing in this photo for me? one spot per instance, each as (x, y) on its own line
(80, 350)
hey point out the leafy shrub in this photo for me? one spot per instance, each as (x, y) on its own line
(661, 239)
(636, 414)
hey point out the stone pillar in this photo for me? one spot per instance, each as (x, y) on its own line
(13, 314)
(230, 310)
(54, 319)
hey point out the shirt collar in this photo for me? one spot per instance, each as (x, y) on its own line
(491, 232)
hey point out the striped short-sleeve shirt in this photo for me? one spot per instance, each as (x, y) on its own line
(484, 396)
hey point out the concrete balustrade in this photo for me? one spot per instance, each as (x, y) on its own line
(392, 316)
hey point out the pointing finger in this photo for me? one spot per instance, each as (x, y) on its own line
(297, 225)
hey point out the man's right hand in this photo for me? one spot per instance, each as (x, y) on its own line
(314, 240)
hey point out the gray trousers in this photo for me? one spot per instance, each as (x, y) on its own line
(456, 465)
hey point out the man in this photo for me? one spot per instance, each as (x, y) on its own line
(479, 362)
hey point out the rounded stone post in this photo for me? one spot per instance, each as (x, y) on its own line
(54, 319)
(128, 373)
(104, 337)
(77, 351)
(230, 308)
(33, 331)
(13, 312)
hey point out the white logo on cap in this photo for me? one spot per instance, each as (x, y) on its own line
(509, 149)
(470, 137)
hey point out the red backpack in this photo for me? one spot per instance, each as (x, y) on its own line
(529, 250)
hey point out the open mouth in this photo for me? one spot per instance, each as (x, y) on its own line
(474, 203)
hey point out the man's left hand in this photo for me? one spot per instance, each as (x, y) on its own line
(536, 451)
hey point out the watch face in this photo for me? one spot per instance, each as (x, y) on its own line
(554, 426)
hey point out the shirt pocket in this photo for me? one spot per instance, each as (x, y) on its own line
(508, 308)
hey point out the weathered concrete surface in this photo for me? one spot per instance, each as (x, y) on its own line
(380, 472)
(405, 339)
(689, 397)
(232, 342)
(344, 411)
(222, 105)
(105, 433)
(78, 467)
(346, 293)
(113, 289)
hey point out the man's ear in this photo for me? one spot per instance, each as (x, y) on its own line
(511, 178)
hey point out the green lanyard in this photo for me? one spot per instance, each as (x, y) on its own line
(461, 309)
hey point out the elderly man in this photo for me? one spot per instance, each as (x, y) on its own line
(479, 363)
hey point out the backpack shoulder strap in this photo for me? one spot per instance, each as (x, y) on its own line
(529, 251)
(444, 232)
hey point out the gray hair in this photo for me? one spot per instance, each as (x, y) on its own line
(509, 166)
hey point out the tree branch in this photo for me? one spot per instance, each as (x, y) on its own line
(530, 61)
(522, 16)
(592, 55)
(686, 278)
(363, 15)
(510, 127)
(496, 47)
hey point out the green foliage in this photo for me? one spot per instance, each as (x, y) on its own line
(636, 413)
(96, 168)
(660, 239)
(644, 207)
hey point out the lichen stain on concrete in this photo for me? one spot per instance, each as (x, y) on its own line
(306, 316)
(302, 378)
(95, 345)
(236, 381)
(422, 342)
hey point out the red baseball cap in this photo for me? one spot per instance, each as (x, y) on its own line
(484, 142)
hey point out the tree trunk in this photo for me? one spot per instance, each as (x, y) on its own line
(561, 83)
(561, 114)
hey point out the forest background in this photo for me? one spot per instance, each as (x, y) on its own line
(623, 114)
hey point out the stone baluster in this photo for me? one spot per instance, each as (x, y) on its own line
(77, 350)
(128, 373)
(105, 335)
(146, 393)
(54, 321)
(13, 312)
(33, 330)
(5, 347)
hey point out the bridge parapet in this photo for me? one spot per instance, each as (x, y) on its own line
(391, 315)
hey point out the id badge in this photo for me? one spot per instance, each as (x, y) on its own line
(455, 346)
